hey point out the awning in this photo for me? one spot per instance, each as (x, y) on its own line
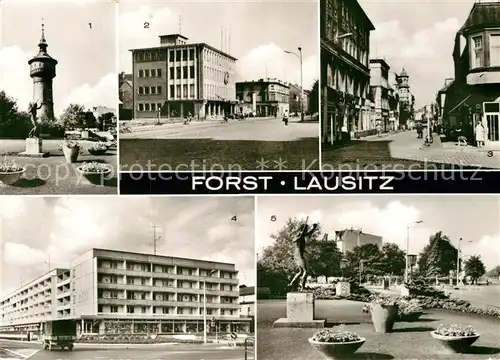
(470, 96)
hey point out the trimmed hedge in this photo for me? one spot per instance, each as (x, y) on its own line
(132, 339)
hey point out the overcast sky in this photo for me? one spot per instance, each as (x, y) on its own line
(259, 31)
(35, 228)
(418, 35)
(86, 73)
(473, 218)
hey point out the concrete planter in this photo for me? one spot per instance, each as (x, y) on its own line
(97, 152)
(96, 178)
(337, 350)
(9, 178)
(383, 317)
(456, 344)
(71, 153)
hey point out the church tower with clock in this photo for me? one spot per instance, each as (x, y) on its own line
(43, 70)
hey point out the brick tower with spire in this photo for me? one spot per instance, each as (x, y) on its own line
(43, 71)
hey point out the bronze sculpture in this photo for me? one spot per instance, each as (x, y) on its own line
(33, 108)
(300, 236)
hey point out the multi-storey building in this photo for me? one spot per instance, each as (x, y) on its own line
(179, 78)
(345, 74)
(350, 238)
(474, 96)
(109, 291)
(264, 97)
(126, 96)
(379, 84)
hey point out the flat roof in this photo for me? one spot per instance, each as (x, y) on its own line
(186, 45)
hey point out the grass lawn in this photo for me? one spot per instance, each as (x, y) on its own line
(53, 176)
(408, 341)
(206, 154)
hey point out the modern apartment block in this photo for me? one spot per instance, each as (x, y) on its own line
(350, 238)
(178, 78)
(111, 291)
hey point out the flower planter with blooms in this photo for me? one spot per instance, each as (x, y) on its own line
(409, 310)
(336, 343)
(70, 149)
(384, 311)
(94, 172)
(99, 148)
(457, 338)
(10, 172)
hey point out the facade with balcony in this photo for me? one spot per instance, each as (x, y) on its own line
(345, 74)
(120, 292)
(45, 298)
(474, 95)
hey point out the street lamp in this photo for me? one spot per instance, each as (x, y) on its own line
(205, 306)
(299, 55)
(408, 246)
(458, 258)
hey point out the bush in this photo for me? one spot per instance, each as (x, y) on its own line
(419, 288)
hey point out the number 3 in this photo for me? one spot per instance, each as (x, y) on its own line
(490, 153)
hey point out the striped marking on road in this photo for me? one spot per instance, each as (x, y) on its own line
(20, 354)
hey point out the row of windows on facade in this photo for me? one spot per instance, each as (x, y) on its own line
(479, 58)
(185, 72)
(159, 55)
(182, 55)
(130, 309)
(270, 97)
(138, 295)
(212, 93)
(346, 83)
(150, 267)
(186, 284)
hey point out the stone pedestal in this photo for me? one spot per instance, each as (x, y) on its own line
(300, 312)
(404, 291)
(34, 148)
(342, 288)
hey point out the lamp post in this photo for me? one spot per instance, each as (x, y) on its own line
(408, 246)
(205, 306)
(299, 56)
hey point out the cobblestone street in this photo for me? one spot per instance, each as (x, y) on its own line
(403, 151)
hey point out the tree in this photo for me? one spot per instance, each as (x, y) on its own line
(276, 263)
(314, 98)
(13, 123)
(393, 260)
(75, 116)
(105, 120)
(474, 267)
(438, 257)
(370, 255)
(495, 272)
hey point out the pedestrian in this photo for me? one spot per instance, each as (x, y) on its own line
(480, 134)
(285, 117)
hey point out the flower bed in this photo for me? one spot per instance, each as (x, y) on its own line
(336, 343)
(457, 338)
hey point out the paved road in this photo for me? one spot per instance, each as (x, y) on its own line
(253, 144)
(261, 129)
(408, 341)
(403, 151)
(167, 352)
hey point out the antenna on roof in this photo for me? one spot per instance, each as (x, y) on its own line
(180, 24)
(222, 38)
(229, 42)
(156, 238)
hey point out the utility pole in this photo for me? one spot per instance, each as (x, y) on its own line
(155, 238)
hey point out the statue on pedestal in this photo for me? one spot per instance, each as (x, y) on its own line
(300, 236)
(33, 108)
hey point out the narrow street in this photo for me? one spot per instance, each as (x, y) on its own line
(403, 151)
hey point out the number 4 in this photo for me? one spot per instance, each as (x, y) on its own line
(234, 218)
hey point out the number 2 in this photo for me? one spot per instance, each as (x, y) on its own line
(146, 25)
(234, 218)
